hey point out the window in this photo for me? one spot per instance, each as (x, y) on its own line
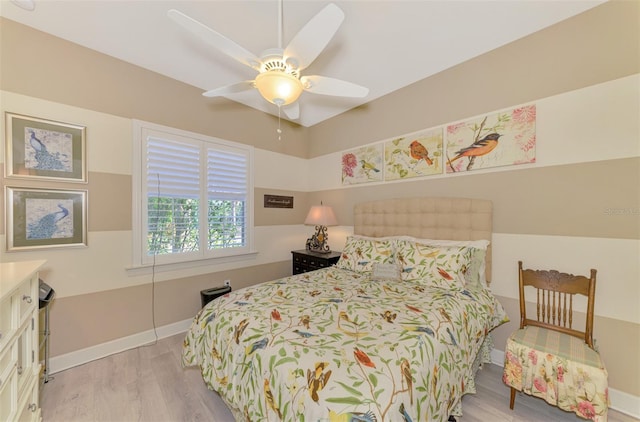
(192, 196)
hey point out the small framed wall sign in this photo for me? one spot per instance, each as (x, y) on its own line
(45, 218)
(278, 201)
(44, 149)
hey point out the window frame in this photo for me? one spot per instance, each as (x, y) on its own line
(141, 132)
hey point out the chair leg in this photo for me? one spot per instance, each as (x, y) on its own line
(512, 400)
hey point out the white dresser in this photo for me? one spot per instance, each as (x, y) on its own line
(19, 360)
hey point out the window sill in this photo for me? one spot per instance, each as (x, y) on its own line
(137, 270)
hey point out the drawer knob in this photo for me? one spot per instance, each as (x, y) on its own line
(33, 407)
(27, 298)
(20, 370)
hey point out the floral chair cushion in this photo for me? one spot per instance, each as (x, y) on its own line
(559, 368)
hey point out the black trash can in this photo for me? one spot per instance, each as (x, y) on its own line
(209, 294)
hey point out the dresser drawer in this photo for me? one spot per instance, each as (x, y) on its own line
(8, 393)
(7, 324)
(26, 298)
(28, 410)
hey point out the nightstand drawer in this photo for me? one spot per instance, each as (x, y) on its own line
(305, 261)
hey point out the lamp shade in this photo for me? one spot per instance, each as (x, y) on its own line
(279, 88)
(321, 215)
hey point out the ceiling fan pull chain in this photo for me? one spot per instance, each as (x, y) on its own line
(279, 130)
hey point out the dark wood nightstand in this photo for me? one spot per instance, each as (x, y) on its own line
(305, 260)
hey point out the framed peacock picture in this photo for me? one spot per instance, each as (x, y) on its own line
(45, 149)
(45, 218)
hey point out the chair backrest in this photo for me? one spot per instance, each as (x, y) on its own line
(554, 300)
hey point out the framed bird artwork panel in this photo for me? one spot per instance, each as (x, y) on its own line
(45, 149)
(362, 165)
(500, 139)
(414, 155)
(45, 218)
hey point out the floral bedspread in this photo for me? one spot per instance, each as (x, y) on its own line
(333, 345)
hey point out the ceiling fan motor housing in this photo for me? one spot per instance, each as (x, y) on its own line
(278, 81)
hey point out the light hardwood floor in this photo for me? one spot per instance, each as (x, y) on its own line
(149, 384)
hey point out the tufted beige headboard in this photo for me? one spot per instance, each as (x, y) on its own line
(427, 218)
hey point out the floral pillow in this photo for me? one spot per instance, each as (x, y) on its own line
(475, 276)
(359, 254)
(433, 265)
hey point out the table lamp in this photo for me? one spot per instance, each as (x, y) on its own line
(320, 216)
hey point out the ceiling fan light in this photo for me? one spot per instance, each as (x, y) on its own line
(278, 87)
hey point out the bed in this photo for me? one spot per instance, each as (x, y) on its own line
(395, 331)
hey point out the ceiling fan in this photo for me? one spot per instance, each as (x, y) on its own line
(279, 80)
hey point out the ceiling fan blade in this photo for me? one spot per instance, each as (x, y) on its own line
(215, 39)
(330, 86)
(229, 89)
(292, 111)
(314, 36)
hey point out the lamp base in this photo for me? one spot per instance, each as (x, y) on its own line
(318, 242)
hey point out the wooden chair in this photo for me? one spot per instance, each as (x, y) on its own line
(548, 357)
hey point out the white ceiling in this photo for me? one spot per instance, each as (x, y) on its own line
(383, 45)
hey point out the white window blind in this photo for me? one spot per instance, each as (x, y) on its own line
(173, 168)
(195, 196)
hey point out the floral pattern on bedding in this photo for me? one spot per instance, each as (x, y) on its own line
(332, 345)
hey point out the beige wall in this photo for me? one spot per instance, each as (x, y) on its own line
(542, 212)
(598, 45)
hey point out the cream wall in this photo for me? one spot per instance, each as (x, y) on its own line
(581, 73)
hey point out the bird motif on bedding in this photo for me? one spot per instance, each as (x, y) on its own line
(405, 369)
(420, 329)
(305, 321)
(389, 316)
(237, 332)
(303, 334)
(268, 396)
(317, 379)
(260, 344)
(405, 415)
(354, 331)
(444, 274)
(413, 308)
(352, 417)
(215, 354)
(363, 358)
(451, 337)
(275, 314)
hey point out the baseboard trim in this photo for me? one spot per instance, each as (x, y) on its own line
(620, 401)
(80, 357)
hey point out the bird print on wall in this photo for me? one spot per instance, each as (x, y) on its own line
(48, 219)
(54, 157)
(414, 155)
(499, 139)
(478, 148)
(419, 152)
(362, 165)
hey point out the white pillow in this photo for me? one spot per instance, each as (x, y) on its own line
(385, 272)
